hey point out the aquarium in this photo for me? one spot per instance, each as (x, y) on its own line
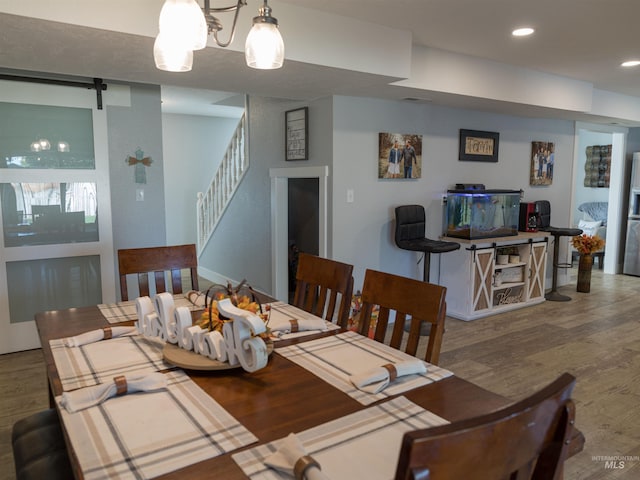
(474, 214)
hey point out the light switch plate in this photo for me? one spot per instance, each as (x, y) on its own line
(139, 194)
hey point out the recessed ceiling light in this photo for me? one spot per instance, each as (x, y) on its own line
(522, 32)
(631, 63)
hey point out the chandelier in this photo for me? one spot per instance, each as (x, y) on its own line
(184, 27)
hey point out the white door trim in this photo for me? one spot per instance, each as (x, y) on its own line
(280, 222)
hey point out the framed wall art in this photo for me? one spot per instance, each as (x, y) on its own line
(399, 155)
(597, 167)
(543, 158)
(297, 134)
(477, 146)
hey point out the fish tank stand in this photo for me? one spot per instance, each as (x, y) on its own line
(489, 276)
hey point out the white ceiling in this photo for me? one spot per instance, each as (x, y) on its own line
(579, 39)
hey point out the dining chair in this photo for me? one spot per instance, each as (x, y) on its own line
(527, 440)
(160, 261)
(39, 449)
(412, 301)
(324, 288)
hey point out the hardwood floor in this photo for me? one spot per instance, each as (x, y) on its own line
(595, 336)
(23, 383)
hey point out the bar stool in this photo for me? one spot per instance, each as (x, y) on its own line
(543, 208)
(410, 235)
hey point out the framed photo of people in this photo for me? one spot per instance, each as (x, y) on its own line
(399, 155)
(542, 162)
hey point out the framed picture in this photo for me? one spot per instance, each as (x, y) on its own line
(597, 167)
(399, 156)
(542, 161)
(478, 146)
(297, 134)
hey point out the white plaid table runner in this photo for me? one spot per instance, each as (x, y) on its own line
(144, 435)
(98, 362)
(284, 310)
(364, 445)
(335, 358)
(124, 311)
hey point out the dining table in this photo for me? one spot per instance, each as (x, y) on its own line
(283, 397)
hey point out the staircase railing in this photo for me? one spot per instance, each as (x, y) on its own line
(213, 203)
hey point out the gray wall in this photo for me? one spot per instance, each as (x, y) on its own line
(363, 230)
(241, 246)
(633, 141)
(343, 135)
(136, 224)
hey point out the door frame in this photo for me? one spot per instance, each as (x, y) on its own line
(280, 221)
(615, 216)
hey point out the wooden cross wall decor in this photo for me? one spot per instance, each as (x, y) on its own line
(139, 162)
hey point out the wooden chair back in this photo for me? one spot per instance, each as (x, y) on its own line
(324, 288)
(411, 300)
(158, 261)
(527, 440)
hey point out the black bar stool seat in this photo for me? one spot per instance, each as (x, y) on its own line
(410, 235)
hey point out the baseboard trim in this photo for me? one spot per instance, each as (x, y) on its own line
(215, 277)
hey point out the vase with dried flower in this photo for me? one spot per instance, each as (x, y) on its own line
(586, 245)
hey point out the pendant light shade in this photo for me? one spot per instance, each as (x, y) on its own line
(171, 58)
(183, 25)
(264, 48)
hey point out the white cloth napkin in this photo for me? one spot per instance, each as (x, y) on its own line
(377, 379)
(97, 335)
(283, 325)
(289, 453)
(89, 396)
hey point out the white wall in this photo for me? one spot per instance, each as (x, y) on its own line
(193, 147)
(362, 231)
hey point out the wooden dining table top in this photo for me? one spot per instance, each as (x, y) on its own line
(279, 399)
